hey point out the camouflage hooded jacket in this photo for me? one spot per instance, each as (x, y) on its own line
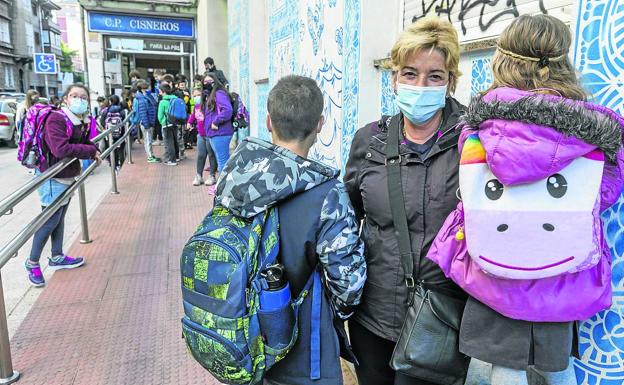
(260, 175)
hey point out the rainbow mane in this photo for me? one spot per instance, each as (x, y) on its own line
(473, 151)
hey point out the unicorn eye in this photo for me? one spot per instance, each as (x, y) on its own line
(557, 186)
(494, 189)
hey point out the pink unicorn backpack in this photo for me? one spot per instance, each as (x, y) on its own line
(535, 230)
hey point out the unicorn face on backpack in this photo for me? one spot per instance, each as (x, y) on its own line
(534, 230)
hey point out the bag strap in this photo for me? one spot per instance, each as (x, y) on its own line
(397, 206)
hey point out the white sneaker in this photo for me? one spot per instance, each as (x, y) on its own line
(210, 181)
(170, 163)
(198, 181)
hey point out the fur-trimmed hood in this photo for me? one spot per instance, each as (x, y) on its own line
(530, 136)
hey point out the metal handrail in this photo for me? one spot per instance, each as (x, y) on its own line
(7, 374)
(13, 199)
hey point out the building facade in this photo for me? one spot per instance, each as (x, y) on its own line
(340, 44)
(34, 30)
(122, 36)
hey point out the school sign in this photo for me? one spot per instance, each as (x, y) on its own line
(124, 24)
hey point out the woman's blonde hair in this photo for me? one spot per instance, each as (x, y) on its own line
(426, 34)
(532, 53)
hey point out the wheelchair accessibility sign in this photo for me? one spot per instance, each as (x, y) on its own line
(45, 63)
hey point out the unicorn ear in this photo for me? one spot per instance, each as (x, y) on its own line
(473, 151)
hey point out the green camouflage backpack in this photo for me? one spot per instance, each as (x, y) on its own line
(224, 328)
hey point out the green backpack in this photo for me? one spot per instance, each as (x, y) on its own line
(224, 327)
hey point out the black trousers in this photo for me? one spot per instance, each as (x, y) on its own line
(373, 354)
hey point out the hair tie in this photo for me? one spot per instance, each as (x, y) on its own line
(542, 62)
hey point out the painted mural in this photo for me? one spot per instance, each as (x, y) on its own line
(598, 54)
(320, 39)
(388, 98)
(481, 74)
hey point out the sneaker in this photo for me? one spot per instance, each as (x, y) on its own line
(35, 276)
(64, 262)
(152, 159)
(210, 180)
(212, 190)
(171, 163)
(198, 181)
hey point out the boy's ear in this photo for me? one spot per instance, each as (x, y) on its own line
(269, 124)
(320, 125)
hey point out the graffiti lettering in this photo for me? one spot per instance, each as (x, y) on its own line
(489, 11)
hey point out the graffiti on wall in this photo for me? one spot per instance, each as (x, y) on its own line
(598, 55)
(487, 12)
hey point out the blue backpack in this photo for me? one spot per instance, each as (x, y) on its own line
(176, 114)
(224, 327)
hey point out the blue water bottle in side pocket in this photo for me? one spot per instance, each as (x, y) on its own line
(277, 318)
(277, 294)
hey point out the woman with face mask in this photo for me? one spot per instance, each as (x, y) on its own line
(424, 62)
(212, 115)
(66, 134)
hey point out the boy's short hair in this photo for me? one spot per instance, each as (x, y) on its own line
(159, 72)
(167, 89)
(295, 105)
(168, 78)
(142, 85)
(135, 74)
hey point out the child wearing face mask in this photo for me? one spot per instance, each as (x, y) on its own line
(67, 134)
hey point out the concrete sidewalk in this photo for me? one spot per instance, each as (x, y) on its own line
(117, 319)
(18, 294)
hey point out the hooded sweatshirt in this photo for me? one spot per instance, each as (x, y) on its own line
(317, 226)
(527, 138)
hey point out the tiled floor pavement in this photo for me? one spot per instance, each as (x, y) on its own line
(117, 319)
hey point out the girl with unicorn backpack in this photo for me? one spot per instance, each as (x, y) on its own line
(538, 166)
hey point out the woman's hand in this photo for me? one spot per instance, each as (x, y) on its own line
(214, 126)
(188, 127)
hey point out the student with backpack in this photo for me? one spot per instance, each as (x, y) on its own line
(144, 107)
(113, 116)
(538, 166)
(215, 130)
(277, 265)
(64, 134)
(240, 120)
(171, 114)
(195, 126)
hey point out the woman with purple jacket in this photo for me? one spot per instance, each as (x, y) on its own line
(58, 144)
(214, 125)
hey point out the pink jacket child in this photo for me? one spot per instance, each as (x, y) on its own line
(535, 173)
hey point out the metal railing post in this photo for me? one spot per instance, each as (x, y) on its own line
(83, 215)
(111, 141)
(7, 374)
(129, 148)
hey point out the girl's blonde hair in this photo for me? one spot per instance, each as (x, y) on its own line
(532, 53)
(426, 34)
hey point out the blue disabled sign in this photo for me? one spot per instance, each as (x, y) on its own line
(124, 24)
(45, 63)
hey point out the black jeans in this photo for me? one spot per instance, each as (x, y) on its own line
(373, 354)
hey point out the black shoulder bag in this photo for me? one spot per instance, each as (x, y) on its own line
(428, 346)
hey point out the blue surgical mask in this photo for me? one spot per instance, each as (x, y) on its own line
(197, 99)
(78, 106)
(419, 104)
